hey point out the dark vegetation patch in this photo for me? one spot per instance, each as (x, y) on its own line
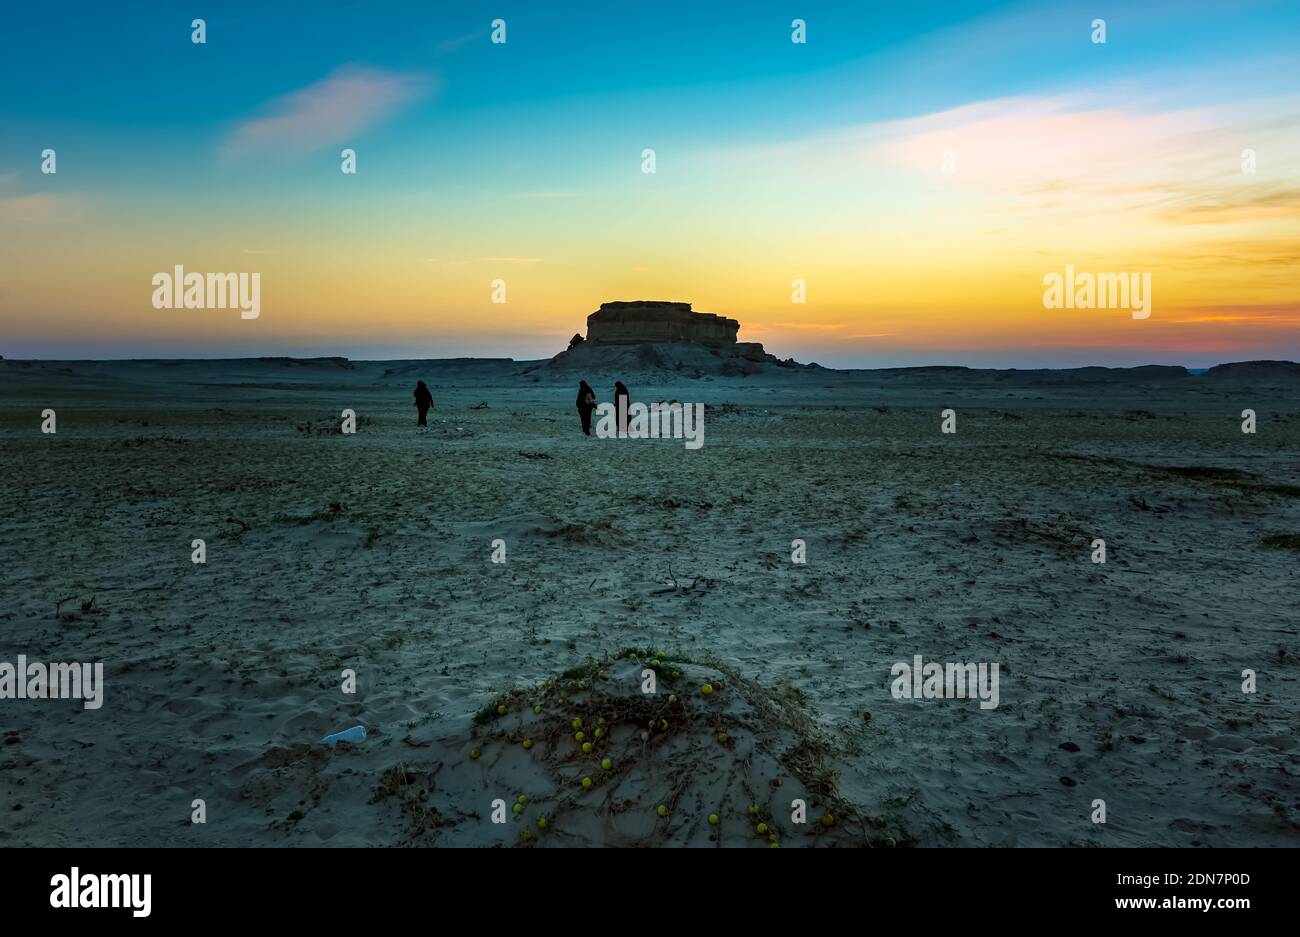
(1281, 542)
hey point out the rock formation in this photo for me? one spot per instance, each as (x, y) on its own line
(649, 321)
(648, 336)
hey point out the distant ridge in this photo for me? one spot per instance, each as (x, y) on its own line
(685, 358)
(1249, 369)
(287, 362)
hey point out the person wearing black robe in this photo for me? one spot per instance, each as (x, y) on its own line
(423, 401)
(586, 403)
(622, 400)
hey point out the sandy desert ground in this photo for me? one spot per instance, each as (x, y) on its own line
(372, 552)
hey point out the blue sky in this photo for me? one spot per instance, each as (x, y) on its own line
(476, 151)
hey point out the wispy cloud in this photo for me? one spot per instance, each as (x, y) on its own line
(448, 46)
(334, 110)
(1246, 203)
(462, 261)
(545, 194)
(1285, 314)
(40, 207)
(1085, 154)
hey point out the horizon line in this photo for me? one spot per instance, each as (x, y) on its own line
(524, 361)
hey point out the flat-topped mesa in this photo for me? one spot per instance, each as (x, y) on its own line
(648, 321)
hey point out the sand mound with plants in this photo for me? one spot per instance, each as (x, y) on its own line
(640, 749)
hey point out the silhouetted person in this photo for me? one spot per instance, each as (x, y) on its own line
(622, 400)
(423, 401)
(586, 403)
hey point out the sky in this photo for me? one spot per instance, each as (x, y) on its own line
(920, 169)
